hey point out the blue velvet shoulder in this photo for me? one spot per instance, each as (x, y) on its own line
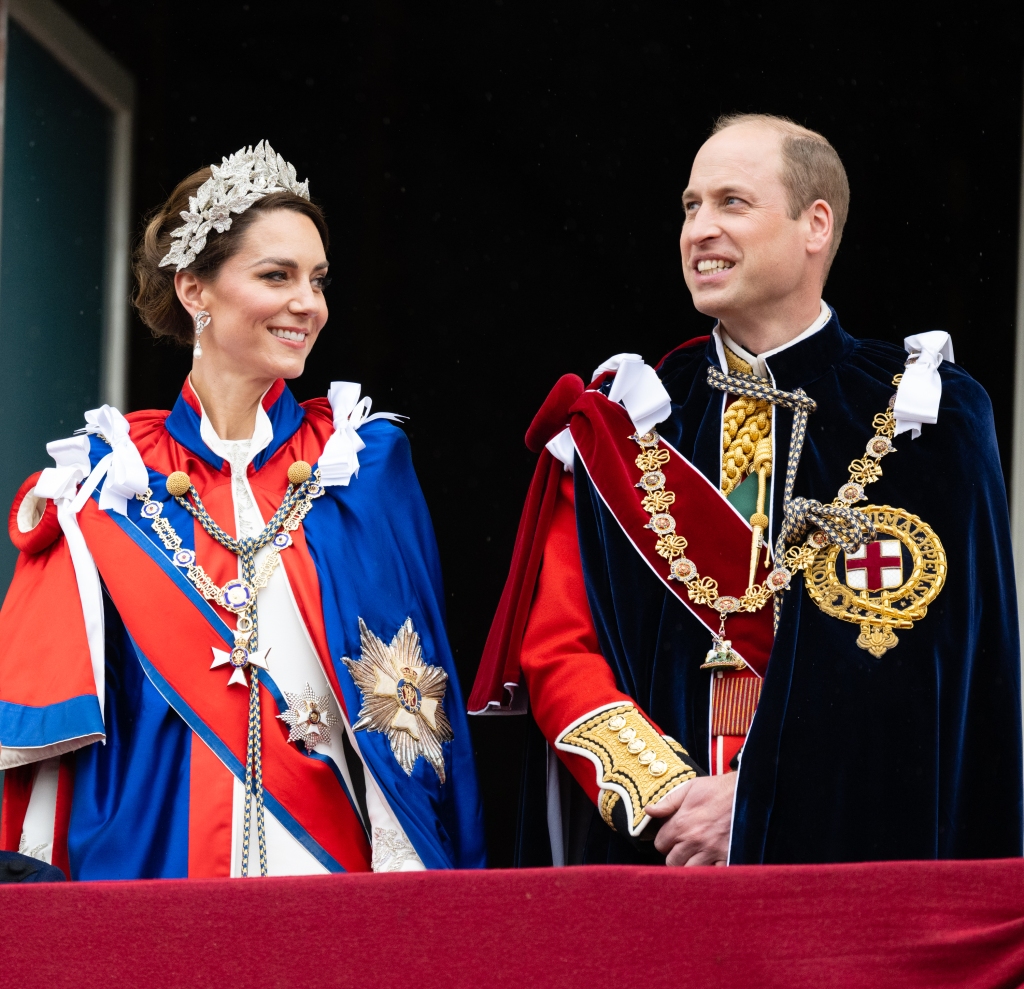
(376, 557)
(965, 414)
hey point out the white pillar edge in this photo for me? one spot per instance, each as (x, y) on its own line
(1017, 449)
(116, 280)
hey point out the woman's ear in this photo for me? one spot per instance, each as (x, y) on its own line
(190, 291)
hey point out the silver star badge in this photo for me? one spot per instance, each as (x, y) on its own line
(309, 718)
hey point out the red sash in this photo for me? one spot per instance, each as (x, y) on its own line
(175, 632)
(717, 535)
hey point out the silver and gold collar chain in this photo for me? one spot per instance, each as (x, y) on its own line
(239, 596)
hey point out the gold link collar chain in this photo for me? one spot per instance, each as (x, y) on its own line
(671, 545)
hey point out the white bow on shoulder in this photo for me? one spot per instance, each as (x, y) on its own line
(126, 475)
(60, 483)
(339, 462)
(920, 389)
(639, 389)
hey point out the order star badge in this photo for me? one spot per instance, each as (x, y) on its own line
(309, 718)
(402, 697)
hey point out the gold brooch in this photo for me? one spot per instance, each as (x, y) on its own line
(402, 697)
(885, 585)
(870, 586)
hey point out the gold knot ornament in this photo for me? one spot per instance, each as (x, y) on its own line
(178, 484)
(299, 472)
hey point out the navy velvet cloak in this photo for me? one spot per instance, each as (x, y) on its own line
(913, 755)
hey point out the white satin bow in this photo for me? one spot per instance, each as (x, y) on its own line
(61, 484)
(561, 447)
(639, 389)
(920, 389)
(125, 473)
(339, 462)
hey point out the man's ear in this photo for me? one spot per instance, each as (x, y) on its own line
(190, 291)
(820, 226)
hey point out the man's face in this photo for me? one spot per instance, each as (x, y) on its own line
(741, 252)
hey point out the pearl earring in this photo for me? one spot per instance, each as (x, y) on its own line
(202, 320)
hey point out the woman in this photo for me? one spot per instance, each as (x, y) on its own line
(224, 646)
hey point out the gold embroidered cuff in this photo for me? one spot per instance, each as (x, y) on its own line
(634, 762)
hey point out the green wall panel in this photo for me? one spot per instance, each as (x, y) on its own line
(52, 235)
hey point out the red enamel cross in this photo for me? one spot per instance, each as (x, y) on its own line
(873, 562)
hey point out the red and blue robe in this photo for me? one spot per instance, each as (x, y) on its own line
(145, 781)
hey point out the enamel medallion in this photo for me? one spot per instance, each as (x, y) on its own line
(885, 585)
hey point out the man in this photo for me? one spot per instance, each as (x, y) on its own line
(770, 615)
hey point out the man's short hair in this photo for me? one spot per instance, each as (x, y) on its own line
(811, 169)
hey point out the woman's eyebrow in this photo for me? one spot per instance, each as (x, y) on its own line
(280, 262)
(286, 263)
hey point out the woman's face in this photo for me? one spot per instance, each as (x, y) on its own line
(266, 302)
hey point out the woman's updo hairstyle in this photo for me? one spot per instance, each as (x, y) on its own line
(155, 299)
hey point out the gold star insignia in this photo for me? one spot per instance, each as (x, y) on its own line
(402, 697)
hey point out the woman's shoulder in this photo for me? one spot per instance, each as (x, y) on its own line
(147, 431)
(318, 410)
(145, 422)
(388, 450)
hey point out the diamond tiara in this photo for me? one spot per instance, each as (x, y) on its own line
(233, 186)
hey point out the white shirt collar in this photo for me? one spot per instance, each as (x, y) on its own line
(757, 362)
(262, 435)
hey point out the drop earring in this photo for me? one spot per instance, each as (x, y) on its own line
(202, 320)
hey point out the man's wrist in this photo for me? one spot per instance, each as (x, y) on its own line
(636, 765)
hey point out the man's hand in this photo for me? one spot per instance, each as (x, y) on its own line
(699, 817)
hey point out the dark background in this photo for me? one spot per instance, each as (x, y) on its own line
(503, 182)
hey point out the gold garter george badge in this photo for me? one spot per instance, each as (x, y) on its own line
(886, 584)
(402, 697)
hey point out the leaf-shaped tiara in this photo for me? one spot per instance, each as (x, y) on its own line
(233, 186)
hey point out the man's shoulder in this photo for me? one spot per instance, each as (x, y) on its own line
(960, 390)
(683, 361)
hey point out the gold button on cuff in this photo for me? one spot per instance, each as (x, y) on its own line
(636, 763)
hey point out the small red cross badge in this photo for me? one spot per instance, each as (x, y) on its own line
(875, 566)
